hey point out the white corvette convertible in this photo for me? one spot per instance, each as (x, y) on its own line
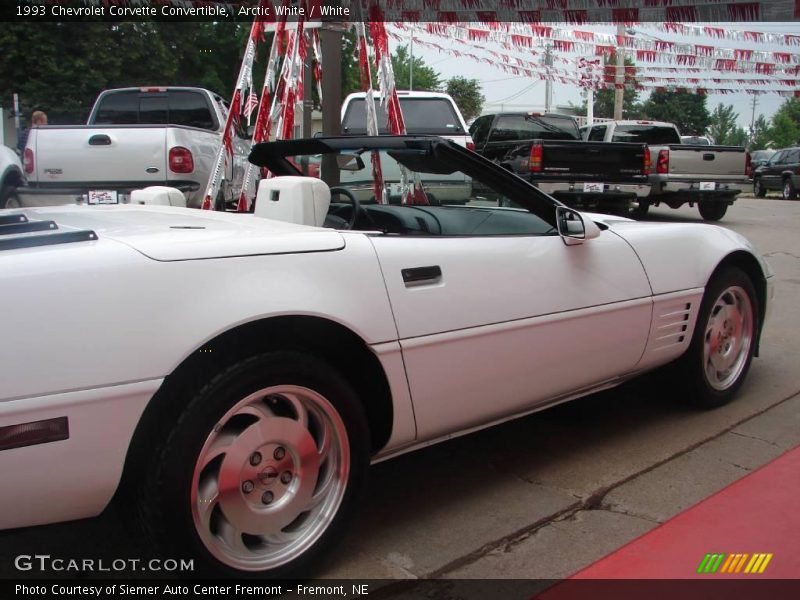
(230, 377)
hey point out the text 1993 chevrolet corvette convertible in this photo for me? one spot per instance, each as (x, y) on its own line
(231, 376)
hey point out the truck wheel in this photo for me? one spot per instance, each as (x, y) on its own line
(719, 356)
(261, 471)
(9, 197)
(712, 210)
(641, 211)
(789, 192)
(759, 191)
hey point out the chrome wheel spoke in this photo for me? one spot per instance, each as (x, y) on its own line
(301, 412)
(232, 537)
(221, 445)
(257, 409)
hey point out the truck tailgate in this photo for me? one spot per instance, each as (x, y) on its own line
(595, 161)
(706, 162)
(100, 154)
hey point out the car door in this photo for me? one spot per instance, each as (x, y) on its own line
(493, 322)
(770, 176)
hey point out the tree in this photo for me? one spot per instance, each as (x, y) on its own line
(785, 128)
(467, 96)
(760, 136)
(687, 111)
(425, 78)
(722, 127)
(604, 99)
(784, 131)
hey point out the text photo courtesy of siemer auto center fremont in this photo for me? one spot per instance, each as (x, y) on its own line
(458, 299)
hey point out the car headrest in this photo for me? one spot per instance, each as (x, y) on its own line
(293, 199)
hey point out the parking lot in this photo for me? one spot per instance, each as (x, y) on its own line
(543, 496)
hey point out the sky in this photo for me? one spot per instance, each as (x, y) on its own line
(520, 93)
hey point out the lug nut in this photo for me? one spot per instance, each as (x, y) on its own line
(279, 453)
(247, 486)
(286, 477)
(255, 458)
(266, 497)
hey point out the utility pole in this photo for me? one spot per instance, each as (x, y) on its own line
(330, 37)
(411, 62)
(753, 119)
(619, 92)
(548, 83)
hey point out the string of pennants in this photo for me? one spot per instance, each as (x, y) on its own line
(590, 74)
(283, 92)
(587, 42)
(577, 12)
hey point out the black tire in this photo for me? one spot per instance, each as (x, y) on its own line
(640, 212)
(759, 191)
(712, 210)
(690, 373)
(168, 507)
(8, 197)
(789, 192)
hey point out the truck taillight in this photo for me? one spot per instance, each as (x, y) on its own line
(647, 161)
(27, 160)
(536, 158)
(748, 164)
(471, 146)
(180, 160)
(662, 164)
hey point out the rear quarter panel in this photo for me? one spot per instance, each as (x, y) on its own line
(100, 313)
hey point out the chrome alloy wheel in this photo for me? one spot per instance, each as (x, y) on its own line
(728, 337)
(270, 478)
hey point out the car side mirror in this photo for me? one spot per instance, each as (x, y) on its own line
(572, 227)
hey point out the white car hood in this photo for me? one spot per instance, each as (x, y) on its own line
(169, 233)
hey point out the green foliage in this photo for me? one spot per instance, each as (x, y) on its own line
(785, 127)
(351, 79)
(723, 128)
(687, 111)
(784, 131)
(425, 78)
(604, 104)
(467, 95)
(62, 67)
(761, 134)
(604, 101)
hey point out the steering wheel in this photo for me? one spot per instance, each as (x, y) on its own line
(339, 222)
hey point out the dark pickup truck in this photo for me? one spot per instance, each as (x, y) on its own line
(547, 150)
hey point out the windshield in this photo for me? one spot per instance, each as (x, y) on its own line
(653, 135)
(695, 140)
(178, 107)
(533, 127)
(434, 116)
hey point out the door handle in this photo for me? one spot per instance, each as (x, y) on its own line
(420, 275)
(100, 140)
(708, 157)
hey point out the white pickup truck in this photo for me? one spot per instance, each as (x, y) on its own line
(10, 177)
(424, 113)
(134, 138)
(709, 176)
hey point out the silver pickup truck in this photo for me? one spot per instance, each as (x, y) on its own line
(709, 176)
(134, 138)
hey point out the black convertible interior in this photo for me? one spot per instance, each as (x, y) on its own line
(441, 220)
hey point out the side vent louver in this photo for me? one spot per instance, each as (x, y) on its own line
(671, 325)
